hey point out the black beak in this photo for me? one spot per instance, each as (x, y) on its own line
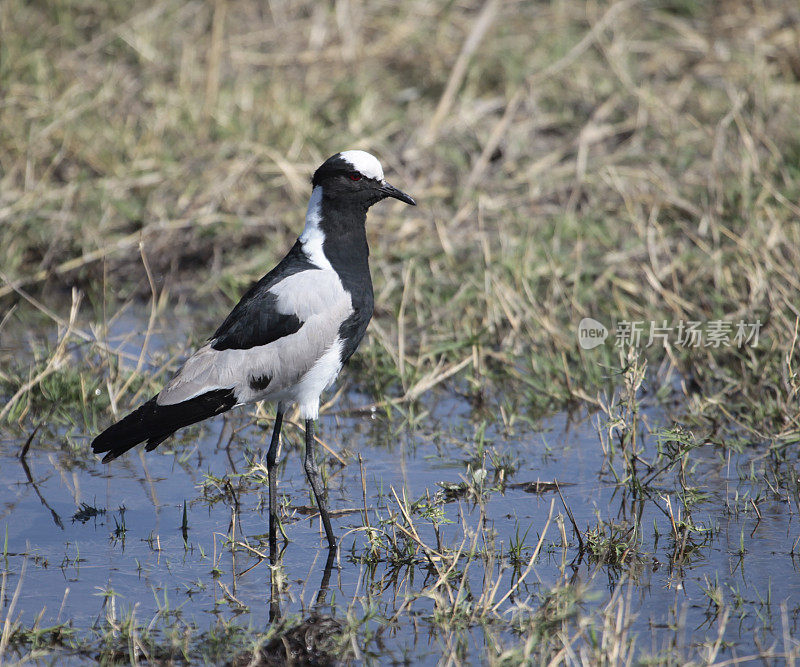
(391, 191)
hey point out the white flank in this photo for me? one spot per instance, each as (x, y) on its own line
(313, 237)
(365, 163)
(321, 375)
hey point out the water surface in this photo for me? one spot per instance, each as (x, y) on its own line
(88, 543)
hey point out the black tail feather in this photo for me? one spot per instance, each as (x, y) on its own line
(154, 423)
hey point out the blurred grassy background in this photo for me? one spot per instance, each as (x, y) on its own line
(636, 160)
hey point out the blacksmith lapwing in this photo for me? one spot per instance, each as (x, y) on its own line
(290, 334)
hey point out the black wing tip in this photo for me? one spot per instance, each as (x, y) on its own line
(100, 445)
(152, 423)
(110, 457)
(122, 435)
(111, 452)
(155, 441)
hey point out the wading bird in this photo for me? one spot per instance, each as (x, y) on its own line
(290, 334)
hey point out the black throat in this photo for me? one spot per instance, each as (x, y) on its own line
(345, 247)
(344, 225)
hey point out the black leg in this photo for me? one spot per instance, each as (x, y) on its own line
(326, 578)
(274, 588)
(312, 472)
(272, 465)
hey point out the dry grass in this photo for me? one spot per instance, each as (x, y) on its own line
(630, 160)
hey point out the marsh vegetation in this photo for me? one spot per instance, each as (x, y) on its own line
(502, 494)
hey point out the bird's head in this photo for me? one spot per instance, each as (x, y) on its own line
(356, 177)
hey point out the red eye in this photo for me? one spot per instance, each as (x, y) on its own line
(354, 176)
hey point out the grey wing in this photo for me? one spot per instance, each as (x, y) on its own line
(319, 302)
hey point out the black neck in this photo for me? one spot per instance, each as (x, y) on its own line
(345, 243)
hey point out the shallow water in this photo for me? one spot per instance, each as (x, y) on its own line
(70, 562)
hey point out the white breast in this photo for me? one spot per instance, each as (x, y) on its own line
(321, 376)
